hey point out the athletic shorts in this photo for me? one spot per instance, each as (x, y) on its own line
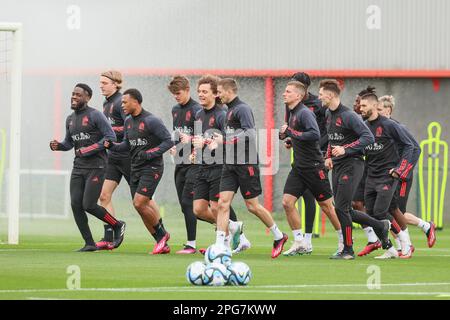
(118, 168)
(313, 179)
(207, 185)
(145, 180)
(243, 176)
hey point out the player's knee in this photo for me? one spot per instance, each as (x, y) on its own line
(139, 204)
(199, 209)
(252, 207)
(288, 204)
(105, 197)
(89, 206)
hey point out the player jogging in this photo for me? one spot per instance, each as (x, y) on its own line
(146, 138)
(86, 130)
(241, 168)
(347, 137)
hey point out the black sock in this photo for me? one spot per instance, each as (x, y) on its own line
(109, 233)
(232, 214)
(159, 232)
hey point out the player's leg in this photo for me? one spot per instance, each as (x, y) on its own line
(369, 202)
(293, 190)
(105, 201)
(317, 182)
(187, 203)
(342, 177)
(77, 183)
(94, 183)
(148, 210)
(310, 215)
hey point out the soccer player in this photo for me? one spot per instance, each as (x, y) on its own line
(183, 114)
(146, 138)
(241, 168)
(347, 137)
(308, 170)
(385, 107)
(119, 163)
(387, 160)
(86, 130)
(312, 103)
(207, 186)
(358, 199)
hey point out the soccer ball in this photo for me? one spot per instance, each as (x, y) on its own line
(240, 274)
(215, 274)
(218, 254)
(194, 273)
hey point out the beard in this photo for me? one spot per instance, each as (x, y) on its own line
(367, 115)
(77, 106)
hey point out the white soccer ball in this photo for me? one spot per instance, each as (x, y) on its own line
(215, 274)
(240, 274)
(218, 254)
(194, 273)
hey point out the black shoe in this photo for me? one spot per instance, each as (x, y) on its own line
(88, 248)
(119, 233)
(343, 255)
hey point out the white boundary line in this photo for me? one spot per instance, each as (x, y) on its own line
(255, 289)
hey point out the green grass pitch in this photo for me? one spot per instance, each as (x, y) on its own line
(37, 268)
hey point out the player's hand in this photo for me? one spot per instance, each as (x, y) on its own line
(282, 136)
(218, 138)
(173, 150)
(78, 153)
(185, 138)
(283, 128)
(288, 143)
(107, 144)
(329, 164)
(54, 145)
(394, 173)
(142, 155)
(337, 151)
(198, 142)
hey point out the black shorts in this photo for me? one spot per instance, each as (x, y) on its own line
(118, 168)
(207, 185)
(400, 199)
(145, 180)
(359, 194)
(185, 177)
(243, 176)
(314, 180)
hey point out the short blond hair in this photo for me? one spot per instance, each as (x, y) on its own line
(115, 76)
(387, 102)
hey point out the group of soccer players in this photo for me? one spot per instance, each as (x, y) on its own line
(213, 142)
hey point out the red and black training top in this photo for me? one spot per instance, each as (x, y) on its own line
(183, 122)
(384, 153)
(305, 135)
(345, 128)
(146, 138)
(112, 109)
(86, 130)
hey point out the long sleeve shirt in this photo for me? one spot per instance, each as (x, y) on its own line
(211, 121)
(86, 130)
(112, 109)
(240, 134)
(383, 154)
(305, 135)
(146, 138)
(346, 129)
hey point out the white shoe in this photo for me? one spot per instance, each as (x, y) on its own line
(296, 248)
(235, 234)
(243, 245)
(388, 254)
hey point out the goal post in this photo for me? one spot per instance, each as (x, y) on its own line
(15, 72)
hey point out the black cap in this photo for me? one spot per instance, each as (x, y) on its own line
(86, 88)
(302, 77)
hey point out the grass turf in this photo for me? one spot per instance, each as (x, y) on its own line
(37, 268)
